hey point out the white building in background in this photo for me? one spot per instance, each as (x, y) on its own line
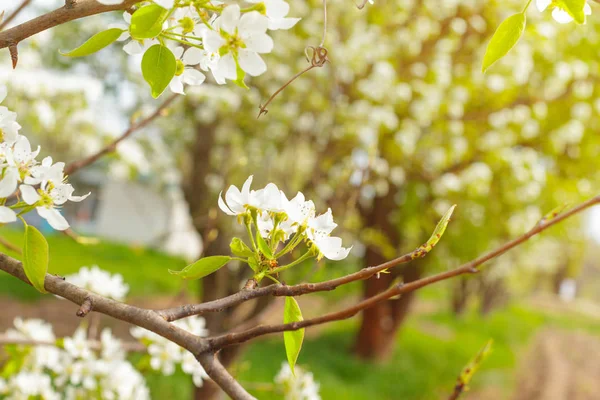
(131, 212)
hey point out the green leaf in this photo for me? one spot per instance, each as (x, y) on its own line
(158, 68)
(574, 8)
(473, 365)
(292, 339)
(253, 263)
(35, 257)
(263, 246)
(95, 43)
(239, 248)
(506, 36)
(201, 268)
(147, 22)
(435, 237)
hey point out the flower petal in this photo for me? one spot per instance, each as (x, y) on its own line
(133, 47)
(192, 56)
(230, 17)
(193, 77)
(226, 67)
(561, 16)
(176, 85)
(252, 23)
(283, 23)
(251, 62)
(212, 41)
(54, 218)
(260, 43)
(8, 184)
(223, 206)
(29, 194)
(7, 215)
(542, 4)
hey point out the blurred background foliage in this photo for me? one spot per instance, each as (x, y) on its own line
(400, 125)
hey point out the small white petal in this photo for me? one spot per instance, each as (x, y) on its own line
(7, 215)
(193, 77)
(29, 194)
(260, 43)
(168, 4)
(277, 9)
(78, 199)
(133, 47)
(176, 85)
(252, 23)
(561, 16)
(284, 23)
(230, 17)
(542, 4)
(54, 218)
(226, 67)
(178, 52)
(212, 41)
(8, 184)
(587, 10)
(251, 62)
(223, 206)
(192, 56)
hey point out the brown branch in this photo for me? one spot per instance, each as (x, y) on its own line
(80, 9)
(12, 16)
(219, 374)
(175, 313)
(86, 307)
(229, 339)
(112, 146)
(134, 347)
(144, 318)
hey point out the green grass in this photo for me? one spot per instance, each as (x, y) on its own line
(143, 269)
(430, 352)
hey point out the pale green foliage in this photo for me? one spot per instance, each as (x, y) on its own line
(292, 339)
(158, 67)
(203, 267)
(35, 257)
(147, 22)
(506, 36)
(96, 43)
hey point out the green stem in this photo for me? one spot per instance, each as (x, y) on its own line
(185, 36)
(249, 230)
(291, 244)
(526, 6)
(306, 256)
(182, 41)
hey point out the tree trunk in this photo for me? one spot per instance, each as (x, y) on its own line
(381, 322)
(492, 294)
(460, 296)
(224, 282)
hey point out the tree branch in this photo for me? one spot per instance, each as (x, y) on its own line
(12, 16)
(229, 339)
(175, 313)
(144, 318)
(219, 374)
(112, 146)
(81, 9)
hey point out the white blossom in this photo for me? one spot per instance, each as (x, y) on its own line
(101, 282)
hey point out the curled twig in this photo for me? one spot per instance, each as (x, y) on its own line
(318, 59)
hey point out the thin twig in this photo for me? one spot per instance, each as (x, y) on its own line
(14, 14)
(81, 9)
(76, 165)
(175, 313)
(86, 307)
(8, 245)
(219, 374)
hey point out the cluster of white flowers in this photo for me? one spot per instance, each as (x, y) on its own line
(302, 386)
(74, 371)
(278, 218)
(165, 355)
(101, 282)
(223, 43)
(22, 173)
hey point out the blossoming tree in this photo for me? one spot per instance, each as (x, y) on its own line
(180, 41)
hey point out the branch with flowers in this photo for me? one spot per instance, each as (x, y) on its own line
(154, 324)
